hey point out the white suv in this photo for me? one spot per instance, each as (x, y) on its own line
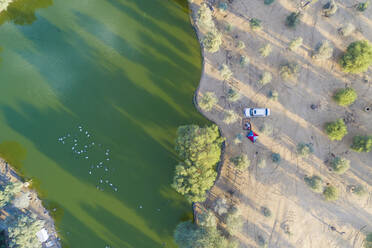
(256, 112)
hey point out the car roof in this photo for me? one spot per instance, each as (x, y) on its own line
(260, 111)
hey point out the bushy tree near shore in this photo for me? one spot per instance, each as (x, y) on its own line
(362, 143)
(200, 150)
(22, 232)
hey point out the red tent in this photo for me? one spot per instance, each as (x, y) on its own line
(252, 136)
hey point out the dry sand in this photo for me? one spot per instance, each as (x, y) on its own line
(281, 187)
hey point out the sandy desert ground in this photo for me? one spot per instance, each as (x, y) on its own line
(300, 218)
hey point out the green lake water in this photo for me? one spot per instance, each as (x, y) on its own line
(125, 71)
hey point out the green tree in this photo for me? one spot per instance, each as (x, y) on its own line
(330, 193)
(189, 235)
(22, 232)
(200, 149)
(8, 192)
(234, 221)
(340, 165)
(241, 162)
(295, 43)
(212, 41)
(345, 97)
(357, 58)
(336, 130)
(362, 143)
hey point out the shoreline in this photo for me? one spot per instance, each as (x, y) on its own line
(36, 207)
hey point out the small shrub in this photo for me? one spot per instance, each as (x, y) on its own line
(230, 117)
(266, 212)
(330, 8)
(359, 190)
(346, 30)
(304, 150)
(362, 6)
(204, 17)
(315, 183)
(362, 143)
(293, 19)
(336, 130)
(233, 95)
(243, 60)
(265, 51)
(340, 165)
(345, 97)
(238, 138)
(22, 201)
(368, 241)
(268, 2)
(240, 45)
(266, 129)
(255, 24)
(241, 162)
(276, 157)
(295, 44)
(208, 101)
(273, 95)
(221, 207)
(228, 27)
(357, 58)
(265, 78)
(330, 193)
(225, 72)
(289, 71)
(207, 219)
(212, 41)
(323, 51)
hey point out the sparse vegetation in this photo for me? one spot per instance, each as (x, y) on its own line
(222, 6)
(255, 24)
(357, 58)
(200, 150)
(330, 193)
(323, 51)
(345, 97)
(293, 19)
(233, 95)
(315, 183)
(207, 219)
(274, 95)
(336, 130)
(208, 101)
(261, 241)
(265, 51)
(362, 143)
(289, 71)
(230, 117)
(346, 30)
(225, 72)
(265, 78)
(212, 41)
(266, 129)
(241, 162)
(368, 240)
(304, 150)
(276, 157)
(295, 44)
(221, 206)
(266, 212)
(261, 163)
(363, 6)
(330, 8)
(340, 165)
(359, 190)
